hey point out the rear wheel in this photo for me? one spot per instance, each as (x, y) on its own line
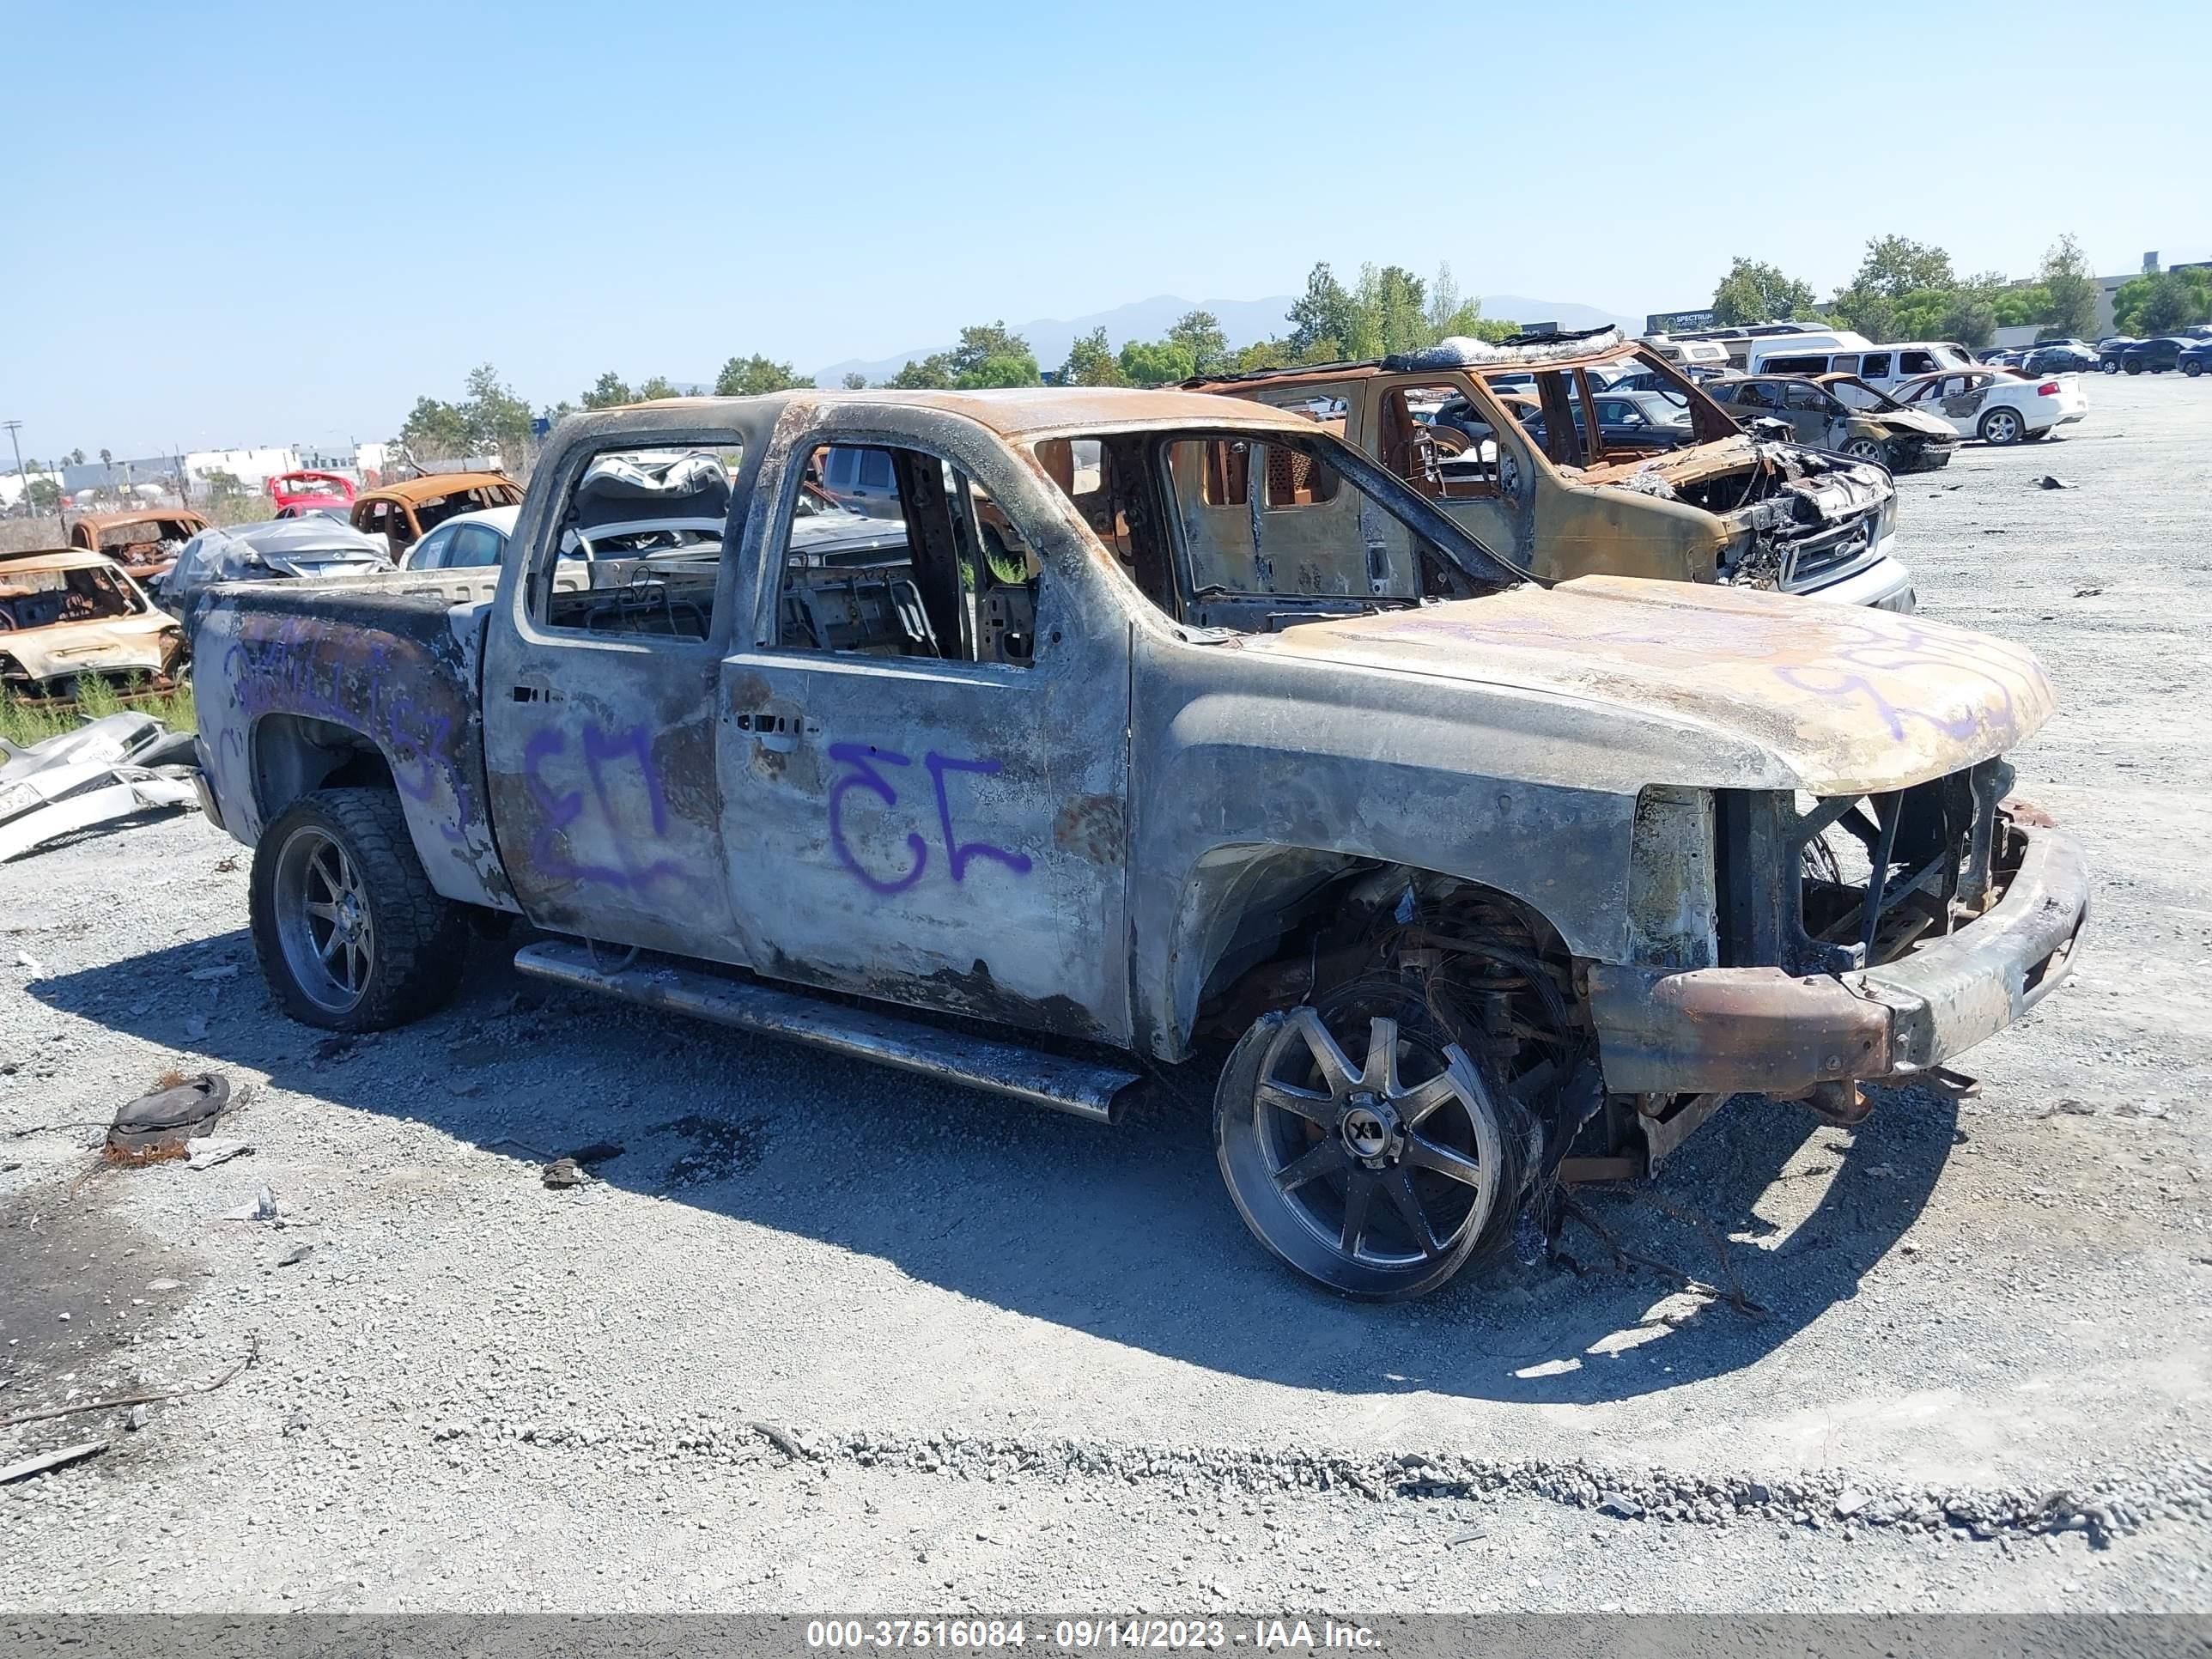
(1361, 1147)
(2110, 365)
(349, 933)
(2003, 425)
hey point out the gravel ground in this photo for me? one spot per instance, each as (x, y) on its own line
(823, 1336)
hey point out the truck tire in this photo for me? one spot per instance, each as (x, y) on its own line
(351, 934)
(1380, 1180)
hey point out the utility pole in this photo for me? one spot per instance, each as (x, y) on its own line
(14, 427)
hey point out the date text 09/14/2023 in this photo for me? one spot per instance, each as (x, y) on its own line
(1084, 1635)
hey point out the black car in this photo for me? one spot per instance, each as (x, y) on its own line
(2060, 357)
(2108, 352)
(2156, 355)
(2197, 359)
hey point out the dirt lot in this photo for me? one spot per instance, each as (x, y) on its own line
(1005, 1359)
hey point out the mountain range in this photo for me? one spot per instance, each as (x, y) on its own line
(1243, 320)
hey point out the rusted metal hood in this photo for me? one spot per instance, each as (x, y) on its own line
(1770, 692)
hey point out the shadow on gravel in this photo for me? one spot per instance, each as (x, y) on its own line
(1124, 1234)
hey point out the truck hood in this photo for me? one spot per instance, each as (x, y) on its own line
(1774, 692)
(1906, 423)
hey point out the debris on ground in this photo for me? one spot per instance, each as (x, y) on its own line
(205, 1151)
(146, 1397)
(2052, 480)
(156, 1125)
(2086, 592)
(264, 1208)
(295, 1256)
(565, 1172)
(139, 1417)
(52, 1460)
(30, 963)
(110, 768)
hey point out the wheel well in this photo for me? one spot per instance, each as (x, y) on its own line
(1262, 926)
(294, 756)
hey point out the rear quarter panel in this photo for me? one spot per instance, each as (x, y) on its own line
(399, 669)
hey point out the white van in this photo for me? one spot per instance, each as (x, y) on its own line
(1880, 366)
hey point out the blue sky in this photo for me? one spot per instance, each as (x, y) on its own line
(233, 223)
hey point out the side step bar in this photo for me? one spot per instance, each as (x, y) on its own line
(986, 1063)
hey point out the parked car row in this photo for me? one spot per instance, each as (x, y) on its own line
(2191, 353)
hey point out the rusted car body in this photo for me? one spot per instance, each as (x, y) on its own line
(1255, 751)
(70, 613)
(1724, 507)
(144, 543)
(404, 512)
(1843, 413)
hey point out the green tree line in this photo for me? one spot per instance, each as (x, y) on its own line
(1908, 290)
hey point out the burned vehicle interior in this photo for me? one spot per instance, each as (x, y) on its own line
(41, 598)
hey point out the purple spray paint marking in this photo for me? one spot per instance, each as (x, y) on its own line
(861, 758)
(562, 810)
(957, 852)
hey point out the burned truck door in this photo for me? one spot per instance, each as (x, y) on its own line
(1488, 487)
(924, 762)
(599, 701)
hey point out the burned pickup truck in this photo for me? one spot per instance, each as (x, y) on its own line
(1521, 445)
(1256, 765)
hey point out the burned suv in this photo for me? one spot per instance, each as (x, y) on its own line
(1575, 496)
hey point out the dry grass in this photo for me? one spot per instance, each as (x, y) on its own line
(21, 724)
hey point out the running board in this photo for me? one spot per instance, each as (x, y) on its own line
(1000, 1068)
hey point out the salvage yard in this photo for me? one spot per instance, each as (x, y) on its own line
(805, 1315)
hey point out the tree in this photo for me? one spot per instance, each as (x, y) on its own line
(1090, 361)
(1260, 354)
(749, 377)
(1199, 332)
(1897, 265)
(1896, 271)
(1389, 313)
(658, 388)
(222, 486)
(856, 381)
(435, 428)
(1156, 362)
(930, 373)
(981, 343)
(2163, 302)
(76, 457)
(1449, 312)
(1753, 292)
(2071, 291)
(494, 414)
(108, 457)
(999, 368)
(44, 494)
(1968, 316)
(2019, 304)
(1321, 318)
(609, 391)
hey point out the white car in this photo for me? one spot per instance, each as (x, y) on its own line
(1995, 406)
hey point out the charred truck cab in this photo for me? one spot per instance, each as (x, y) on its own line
(1718, 505)
(1250, 761)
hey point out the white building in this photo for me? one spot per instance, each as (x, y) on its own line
(252, 467)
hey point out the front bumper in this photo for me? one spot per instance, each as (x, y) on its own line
(1760, 1031)
(1885, 584)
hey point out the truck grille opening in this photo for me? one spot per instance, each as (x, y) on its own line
(1824, 885)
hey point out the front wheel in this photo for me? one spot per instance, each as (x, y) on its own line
(1378, 1178)
(1865, 449)
(2192, 370)
(2003, 425)
(351, 934)
(2133, 367)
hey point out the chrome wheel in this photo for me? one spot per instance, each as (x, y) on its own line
(1864, 449)
(2001, 426)
(1378, 1178)
(322, 919)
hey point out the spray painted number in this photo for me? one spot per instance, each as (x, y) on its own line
(863, 761)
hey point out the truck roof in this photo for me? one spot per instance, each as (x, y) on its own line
(1018, 411)
(1522, 357)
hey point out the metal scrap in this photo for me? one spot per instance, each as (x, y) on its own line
(108, 770)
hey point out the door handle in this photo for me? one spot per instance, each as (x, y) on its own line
(774, 732)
